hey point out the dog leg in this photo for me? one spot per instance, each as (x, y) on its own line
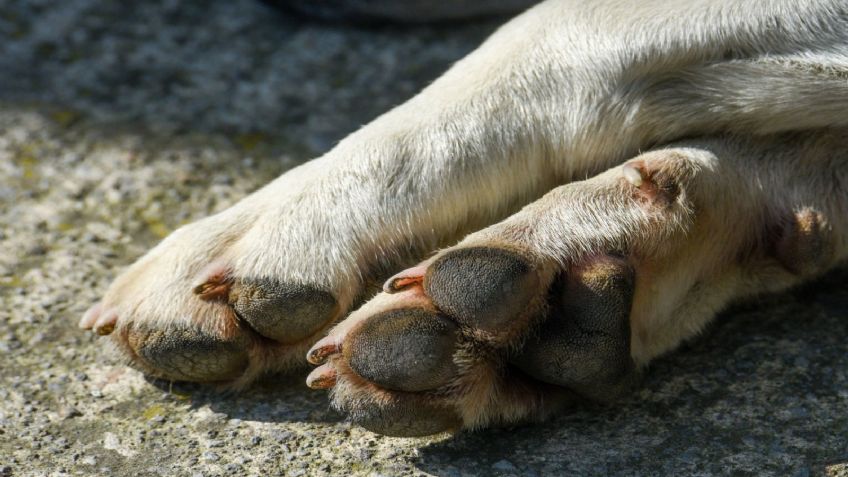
(573, 295)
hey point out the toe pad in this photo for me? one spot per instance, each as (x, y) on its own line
(404, 350)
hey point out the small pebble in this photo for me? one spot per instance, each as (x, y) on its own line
(211, 456)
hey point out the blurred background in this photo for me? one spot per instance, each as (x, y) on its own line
(120, 121)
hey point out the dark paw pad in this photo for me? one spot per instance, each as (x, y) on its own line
(408, 416)
(485, 288)
(287, 313)
(805, 244)
(405, 350)
(585, 342)
(188, 354)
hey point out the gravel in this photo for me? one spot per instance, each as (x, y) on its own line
(120, 121)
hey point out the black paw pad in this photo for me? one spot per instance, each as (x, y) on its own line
(189, 354)
(585, 342)
(404, 350)
(485, 288)
(284, 312)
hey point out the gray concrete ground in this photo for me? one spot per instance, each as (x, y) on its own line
(120, 121)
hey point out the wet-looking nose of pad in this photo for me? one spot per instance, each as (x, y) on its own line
(404, 350)
(284, 312)
(584, 344)
(482, 287)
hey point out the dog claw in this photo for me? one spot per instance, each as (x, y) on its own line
(105, 324)
(215, 284)
(633, 175)
(90, 316)
(322, 377)
(407, 278)
(322, 350)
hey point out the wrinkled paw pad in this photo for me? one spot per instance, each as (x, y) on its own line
(404, 350)
(407, 415)
(178, 352)
(286, 313)
(385, 370)
(188, 354)
(481, 287)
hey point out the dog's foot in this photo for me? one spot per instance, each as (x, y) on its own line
(571, 297)
(439, 351)
(192, 310)
(247, 291)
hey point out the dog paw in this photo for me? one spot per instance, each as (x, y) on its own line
(453, 348)
(512, 322)
(186, 311)
(239, 294)
(568, 299)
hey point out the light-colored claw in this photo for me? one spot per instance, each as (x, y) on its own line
(633, 175)
(323, 349)
(215, 282)
(322, 377)
(407, 278)
(90, 316)
(105, 324)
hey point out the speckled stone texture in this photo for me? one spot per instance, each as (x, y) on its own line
(119, 121)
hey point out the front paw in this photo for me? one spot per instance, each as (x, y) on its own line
(239, 294)
(186, 312)
(482, 336)
(573, 295)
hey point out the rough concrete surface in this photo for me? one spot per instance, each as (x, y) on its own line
(120, 121)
